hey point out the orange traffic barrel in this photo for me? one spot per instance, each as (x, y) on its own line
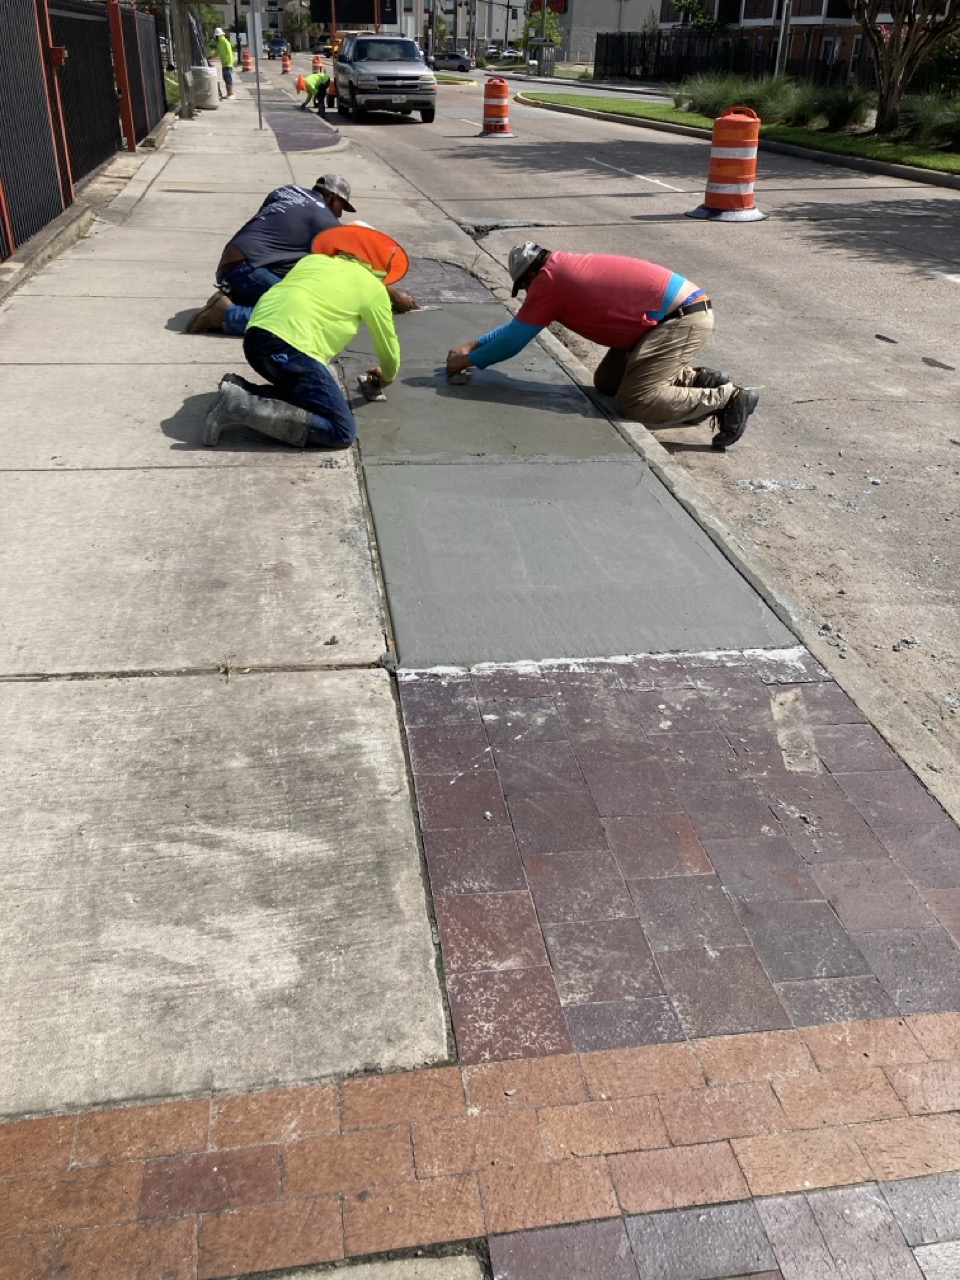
(246, 60)
(733, 168)
(286, 64)
(496, 109)
(317, 62)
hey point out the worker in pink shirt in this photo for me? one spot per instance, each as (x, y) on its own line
(653, 321)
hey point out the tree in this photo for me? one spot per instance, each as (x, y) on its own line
(534, 23)
(210, 19)
(697, 15)
(900, 45)
(300, 24)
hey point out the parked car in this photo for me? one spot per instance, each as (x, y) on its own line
(320, 46)
(384, 73)
(454, 60)
(511, 55)
(491, 51)
(277, 47)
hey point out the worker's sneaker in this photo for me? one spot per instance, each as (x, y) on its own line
(710, 378)
(211, 317)
(235, 407)
(732, 418)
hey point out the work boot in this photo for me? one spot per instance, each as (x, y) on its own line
(251, 388)
(732, 418)
(235, 407)
(211, 317)
(710, 378)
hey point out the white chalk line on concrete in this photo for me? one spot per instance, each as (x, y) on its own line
(630, 174)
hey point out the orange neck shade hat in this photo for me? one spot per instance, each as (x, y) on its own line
(381, 253)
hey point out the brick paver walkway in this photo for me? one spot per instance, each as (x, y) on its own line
(230, 1185)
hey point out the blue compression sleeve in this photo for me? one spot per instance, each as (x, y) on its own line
(501, 344)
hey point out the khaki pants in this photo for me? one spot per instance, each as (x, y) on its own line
(652, 382)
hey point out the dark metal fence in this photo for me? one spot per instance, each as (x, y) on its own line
(59, 106)
(672, 54)
(31, 190)
(86, 83)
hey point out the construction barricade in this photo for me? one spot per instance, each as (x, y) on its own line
(317, 62)
(733, 168)
(496, 109)
(286, 64)
(246, 60)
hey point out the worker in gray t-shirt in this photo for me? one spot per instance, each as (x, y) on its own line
(264, 249)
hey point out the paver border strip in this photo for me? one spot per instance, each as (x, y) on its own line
(886, 168)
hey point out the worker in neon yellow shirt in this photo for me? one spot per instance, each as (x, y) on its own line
(316, 87)
(301, 324)
(225, 54)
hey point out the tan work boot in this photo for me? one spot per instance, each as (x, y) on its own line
(211, 317)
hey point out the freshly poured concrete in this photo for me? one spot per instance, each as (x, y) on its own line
(163, 569)
(577, 552)
(514, 560)
(207, 884)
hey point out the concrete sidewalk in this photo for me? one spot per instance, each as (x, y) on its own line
(606, 942)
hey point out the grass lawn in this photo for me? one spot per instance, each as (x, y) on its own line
(843, 144)
(172, 90)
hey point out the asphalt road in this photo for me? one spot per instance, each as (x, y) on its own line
(842, 307)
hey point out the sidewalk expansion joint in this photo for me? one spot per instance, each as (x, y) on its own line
(219, 669)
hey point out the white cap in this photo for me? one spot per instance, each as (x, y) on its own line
(218, 31)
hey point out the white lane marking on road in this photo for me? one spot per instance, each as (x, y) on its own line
(630, 174)
(475, 123)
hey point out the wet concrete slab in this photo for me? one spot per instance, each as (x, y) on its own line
(500, 562)
(207, 884)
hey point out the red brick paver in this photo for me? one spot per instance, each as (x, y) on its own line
(292, 1177)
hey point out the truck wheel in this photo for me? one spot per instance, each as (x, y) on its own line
(428, 114)
(356, 111)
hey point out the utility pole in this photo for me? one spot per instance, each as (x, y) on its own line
(784, 37)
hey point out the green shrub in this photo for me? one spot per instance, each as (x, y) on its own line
(931, 120)
(710, 92)
(771, 97)
(844, 106)
(806, 106)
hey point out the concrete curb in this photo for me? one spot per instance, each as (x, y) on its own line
(155, 138)
(908, 172)
(56, 237)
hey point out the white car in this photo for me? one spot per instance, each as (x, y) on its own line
(511, 55)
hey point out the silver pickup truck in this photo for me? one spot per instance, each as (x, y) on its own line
(384, 73)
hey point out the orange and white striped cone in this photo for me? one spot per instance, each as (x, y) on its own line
(733, 169)
(246, 60)
(317, 62)
(496, 109)
(286, 64)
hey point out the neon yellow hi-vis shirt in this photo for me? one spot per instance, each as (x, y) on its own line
(224, 51)
(315, 81)
(319, 305)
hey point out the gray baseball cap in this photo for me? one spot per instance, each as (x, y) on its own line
(337, 186)
(522, 257)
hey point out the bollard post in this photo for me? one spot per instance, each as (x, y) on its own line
(496, 109)
(733, 168)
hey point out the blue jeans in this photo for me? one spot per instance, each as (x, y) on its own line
(227, 76)
(246, 285)
(305, 382)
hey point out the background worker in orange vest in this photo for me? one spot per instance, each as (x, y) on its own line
(652, 320)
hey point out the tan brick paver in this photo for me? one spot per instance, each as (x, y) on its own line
(537, 1195)
(595, 1128)
(273, 1236)
(927, 1087)
(276, 1115)
(937, 1033)
(526, 1082)
(800, 1161)
(412, 1213)
(167, 1249)
(139, 1133)
(624, 1073)
(755, 1056)
(650, 1180)
(443, 1147)
(909, 1148)
(840, 1045)
(27, 1146)
(840, 1097)
(725, 1111)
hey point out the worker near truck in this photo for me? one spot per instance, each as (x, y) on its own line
(316, 90)
(225, 54)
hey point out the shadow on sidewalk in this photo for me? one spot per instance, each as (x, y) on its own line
(185, 428)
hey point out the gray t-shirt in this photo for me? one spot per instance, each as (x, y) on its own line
(282, 230)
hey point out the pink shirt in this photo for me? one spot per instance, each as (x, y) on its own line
(602, 296)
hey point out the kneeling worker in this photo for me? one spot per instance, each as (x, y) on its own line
(301, 324)
(651, 319)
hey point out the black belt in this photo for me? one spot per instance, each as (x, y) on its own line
(704, 305)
